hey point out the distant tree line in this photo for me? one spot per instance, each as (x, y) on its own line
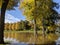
(26, 25)
(21, 25)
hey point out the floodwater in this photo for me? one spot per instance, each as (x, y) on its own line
(14, 41)
(28, 38)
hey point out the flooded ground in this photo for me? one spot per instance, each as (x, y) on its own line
(29, 37)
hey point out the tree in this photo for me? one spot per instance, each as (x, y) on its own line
(3, 10)
(38, 9)
(19, 26)
(6, 26)
(10, 26)
(16, 26)
(25, 23)
(0, 3)
(13, 26)
(51, 21)
(22, 25)
(27, 5)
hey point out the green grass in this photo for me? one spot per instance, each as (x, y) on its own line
(25, 31)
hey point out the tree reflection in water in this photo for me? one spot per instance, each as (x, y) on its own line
(29, 37)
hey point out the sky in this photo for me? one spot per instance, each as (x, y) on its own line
(57, 1)
(16, 15)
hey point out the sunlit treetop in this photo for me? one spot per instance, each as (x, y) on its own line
(11, 4)
(0, 3)
(43, 8)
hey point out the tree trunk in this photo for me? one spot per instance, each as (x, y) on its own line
(2, 18)
(35, 32)
(35, 29)
(44, 31)
(43, 27)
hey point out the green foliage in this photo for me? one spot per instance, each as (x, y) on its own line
(18, 26)
(0, 3)
(43, 8)
(40, 10)
(11, 4)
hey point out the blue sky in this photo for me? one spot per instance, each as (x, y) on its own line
(17, 14)
(14, 13)
(57, 1)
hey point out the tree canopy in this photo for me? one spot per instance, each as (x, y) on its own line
(11, 4)
(41, 11)
(43, 8)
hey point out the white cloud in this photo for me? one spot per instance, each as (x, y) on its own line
(10, 19)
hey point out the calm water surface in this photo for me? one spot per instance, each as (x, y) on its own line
(26, 38)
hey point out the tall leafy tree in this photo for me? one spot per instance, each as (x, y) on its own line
(10, 26)
(6, 27)
(16, 26)
(38, 9)
(5, 4)
(28, 10)
(22, 25)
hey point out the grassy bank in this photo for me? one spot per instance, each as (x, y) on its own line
(25, 31)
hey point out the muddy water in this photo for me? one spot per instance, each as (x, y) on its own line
(29, 37)
(18, 36)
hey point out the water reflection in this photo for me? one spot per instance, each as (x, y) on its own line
(58, 41)
(29, 37)
(10, 40)
(14, 41)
